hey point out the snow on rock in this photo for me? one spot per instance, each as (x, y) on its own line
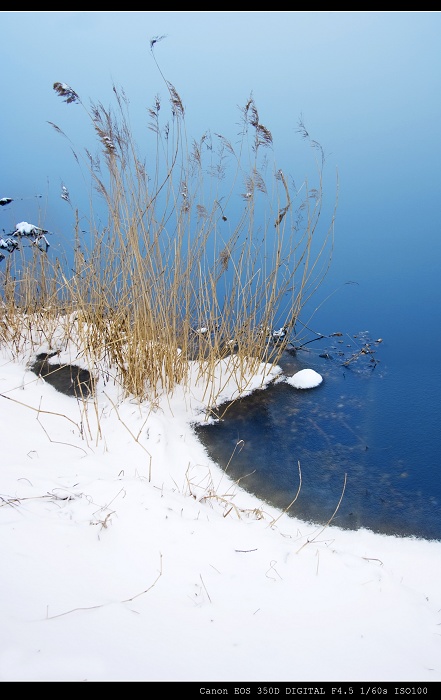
(305, 379)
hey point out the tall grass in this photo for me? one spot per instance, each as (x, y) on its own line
(206, 249)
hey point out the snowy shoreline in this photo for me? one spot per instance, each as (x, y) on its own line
(128, 555)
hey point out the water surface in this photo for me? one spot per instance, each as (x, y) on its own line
(361, 449)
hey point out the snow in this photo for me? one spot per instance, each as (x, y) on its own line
(127, 554)
(305, 379)
(25, 229)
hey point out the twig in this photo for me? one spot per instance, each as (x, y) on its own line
(128, 600)
(205, 588)
(38, 410)
(58, 442)
(372, 559)
(293, 501)
(329, 521)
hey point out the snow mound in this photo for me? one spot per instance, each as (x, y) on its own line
(305, 379)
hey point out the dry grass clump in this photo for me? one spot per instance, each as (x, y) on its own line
(206, 249)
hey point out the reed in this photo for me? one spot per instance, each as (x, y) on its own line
(206, 249)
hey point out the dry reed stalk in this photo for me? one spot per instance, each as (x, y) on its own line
(175, 256)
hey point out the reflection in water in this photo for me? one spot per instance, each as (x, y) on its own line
(335, 433)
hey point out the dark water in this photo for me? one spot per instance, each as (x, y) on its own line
(367, 439)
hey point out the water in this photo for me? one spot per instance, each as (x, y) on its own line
(369, 435)
(367, 439)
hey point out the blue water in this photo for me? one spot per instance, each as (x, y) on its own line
(370, 433)
(364, 435)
